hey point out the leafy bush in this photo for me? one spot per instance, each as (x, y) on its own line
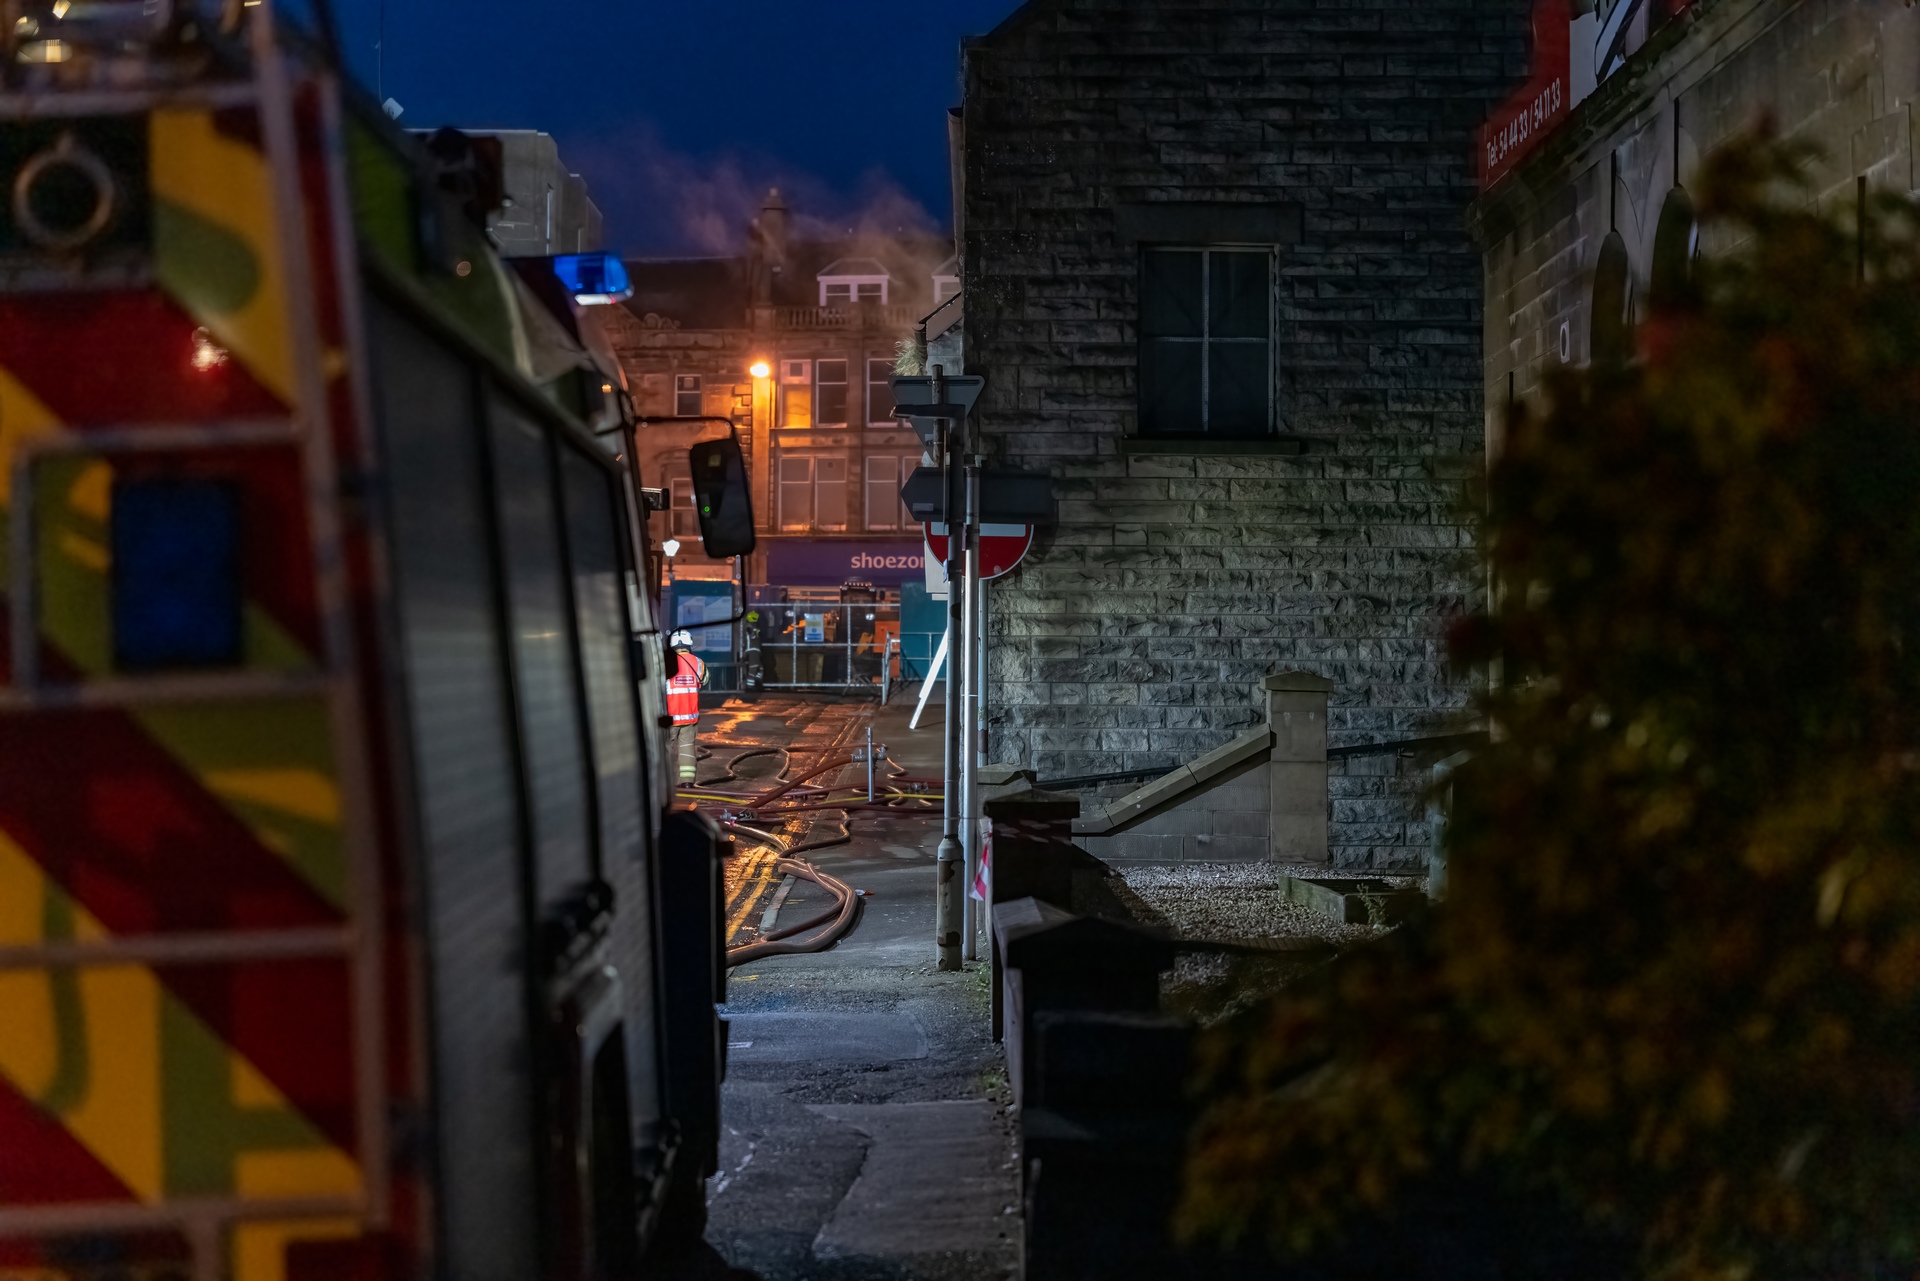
(1675, 977)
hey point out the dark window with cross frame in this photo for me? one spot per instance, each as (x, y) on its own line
(1206, 342)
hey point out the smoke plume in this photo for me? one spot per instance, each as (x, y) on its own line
(659, 201)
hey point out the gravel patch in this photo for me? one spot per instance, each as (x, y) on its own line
(1240, 902)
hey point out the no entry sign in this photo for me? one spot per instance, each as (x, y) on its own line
(1001, 546)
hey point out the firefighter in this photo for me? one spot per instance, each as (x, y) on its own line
(683, 701)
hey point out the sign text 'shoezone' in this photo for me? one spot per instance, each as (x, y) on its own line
(865, 560)
(1533, 116)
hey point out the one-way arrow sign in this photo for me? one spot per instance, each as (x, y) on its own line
(1006, 497)
(913, 400)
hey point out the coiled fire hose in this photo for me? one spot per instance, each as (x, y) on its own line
(838, 919)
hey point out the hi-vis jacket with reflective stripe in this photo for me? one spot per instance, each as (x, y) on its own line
(683, 689)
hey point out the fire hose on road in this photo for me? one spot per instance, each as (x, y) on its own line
(737, 809)
(838, 919)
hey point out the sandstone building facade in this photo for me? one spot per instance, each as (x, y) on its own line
(1218, 280)
(823, 320)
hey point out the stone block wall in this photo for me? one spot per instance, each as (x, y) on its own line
(1174, 581)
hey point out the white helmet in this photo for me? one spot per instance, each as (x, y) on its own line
(682, 639)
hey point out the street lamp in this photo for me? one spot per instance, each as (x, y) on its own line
(672, 548)
(759, 369)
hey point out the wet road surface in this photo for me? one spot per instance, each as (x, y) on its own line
(864, 1125)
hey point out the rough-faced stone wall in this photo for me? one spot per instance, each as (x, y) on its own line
(1137, 633)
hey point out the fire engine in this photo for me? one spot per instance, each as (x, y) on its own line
(347, 924)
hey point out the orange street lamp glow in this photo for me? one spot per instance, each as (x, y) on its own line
(759, 369)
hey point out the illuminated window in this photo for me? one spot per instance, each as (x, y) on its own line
(829, 493)
(796, 387)
(880, 394)
(796, 491)
(813, 492)
(681, 515)
(830, 400)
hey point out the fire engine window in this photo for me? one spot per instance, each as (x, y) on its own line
(176, 574)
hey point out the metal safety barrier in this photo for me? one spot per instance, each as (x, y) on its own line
(826, 645)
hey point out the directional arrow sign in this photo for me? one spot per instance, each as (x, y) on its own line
(1001, 547)
(913, 400)
(1006, 497)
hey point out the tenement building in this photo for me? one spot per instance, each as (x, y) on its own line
(1588, 212)
(789, 343)
(1218, 280)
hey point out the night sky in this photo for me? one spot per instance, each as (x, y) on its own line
(680, 113)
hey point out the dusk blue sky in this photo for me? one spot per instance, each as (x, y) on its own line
(680, 113)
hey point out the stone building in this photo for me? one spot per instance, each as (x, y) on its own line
(1217, 278)
(1584, 217)
(826, 457)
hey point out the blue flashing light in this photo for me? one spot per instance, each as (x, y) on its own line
(593, 278)
(176, 574)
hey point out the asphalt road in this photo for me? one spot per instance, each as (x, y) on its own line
(865, 1131)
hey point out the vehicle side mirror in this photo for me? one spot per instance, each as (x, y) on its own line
(720, 495)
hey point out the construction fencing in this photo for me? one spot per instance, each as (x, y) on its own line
(827, 646)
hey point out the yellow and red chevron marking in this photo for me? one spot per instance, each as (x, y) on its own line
(139, 1082)
(114, 1089)
(215, 241)
(136, 1079)
(103, 357)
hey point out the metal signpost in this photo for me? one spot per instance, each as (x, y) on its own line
(991, 551)
(938, 407)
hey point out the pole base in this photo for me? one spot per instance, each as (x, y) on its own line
(947, 905)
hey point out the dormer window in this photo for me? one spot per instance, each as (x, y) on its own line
(851, 280)
(946, 280)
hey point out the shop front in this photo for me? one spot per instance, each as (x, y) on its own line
(829, 612)
(808, 567)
